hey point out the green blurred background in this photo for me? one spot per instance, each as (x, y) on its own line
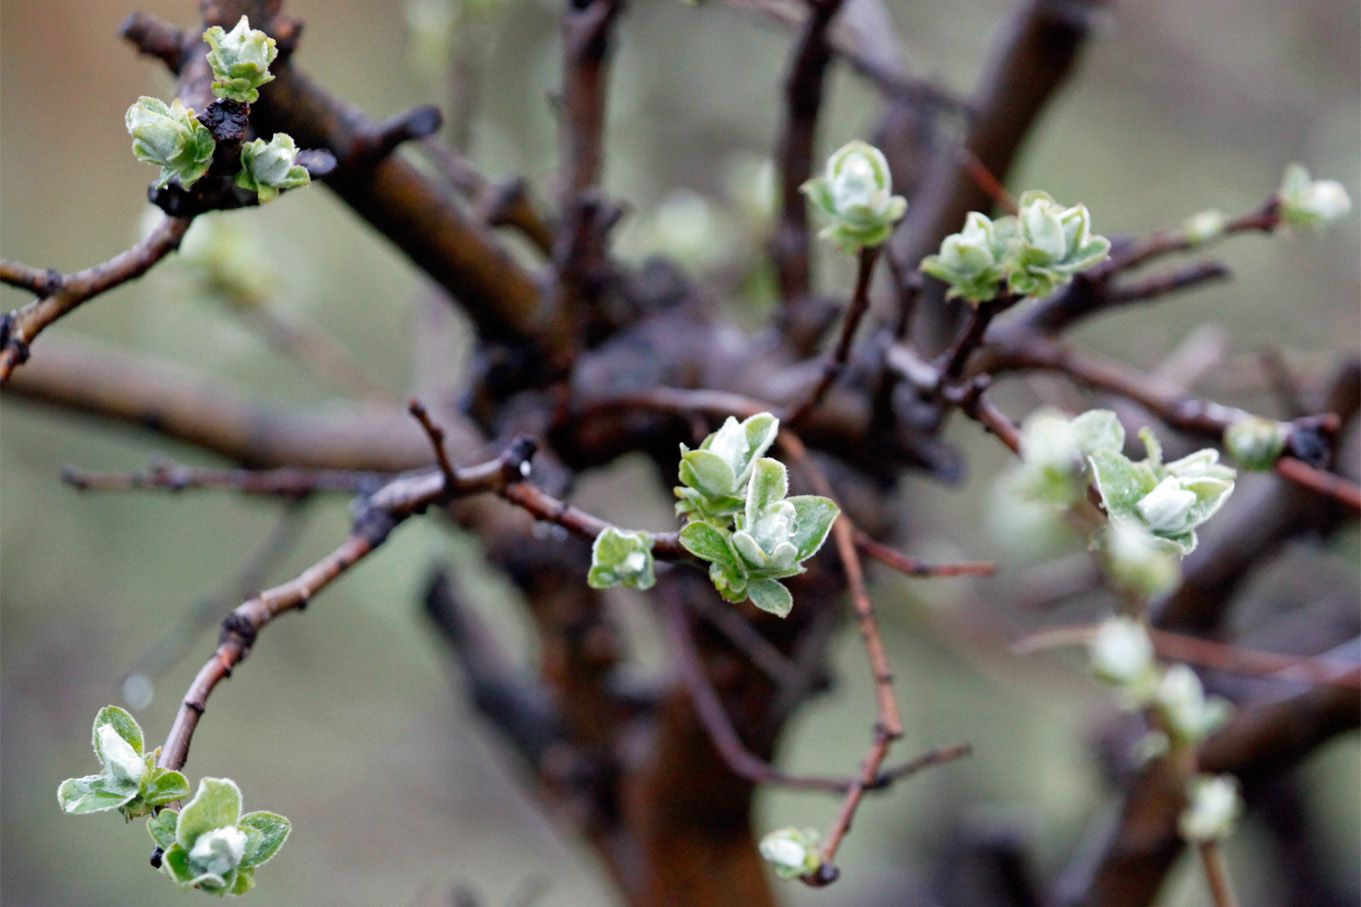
(346, 719)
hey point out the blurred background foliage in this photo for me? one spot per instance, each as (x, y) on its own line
(345, 719)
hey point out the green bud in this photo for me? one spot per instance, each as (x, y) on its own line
(1256, 443)
(130, 782)
(267, 168)
(620, 558)
(172, 138)
(792, 852)
(855, 192)
(1213, 808)
(1183, 709)
(1205, 227)
(1122, 656)
(1053, 244)
(1138, 561)
(974, 261)
(1310, 204)
(240, 61)
(741, 519)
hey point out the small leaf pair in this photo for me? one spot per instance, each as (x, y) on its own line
(131, 782)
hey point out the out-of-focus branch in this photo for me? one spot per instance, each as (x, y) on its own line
(889, 80)
(285, 483)
(1173, 406)
(794, 155)
(579, 249)
(1033, 56)
(1129, 866)
(1210, 654)
(498, 204)
(63, 293)
(519, 709)
(142, 392)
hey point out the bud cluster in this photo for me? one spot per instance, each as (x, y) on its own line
(173, 138)
(1032, 253)
(742, 520)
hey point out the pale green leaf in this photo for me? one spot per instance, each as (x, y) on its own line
(769, 484)
(265, 832)
(708, 473)
(94, 794)
(1098, 429)
(216, 805)
(1121, 481)
(709, 543)
(164, 786)
(770, 595)
(126, 726)
(161, 827)
(814, 521)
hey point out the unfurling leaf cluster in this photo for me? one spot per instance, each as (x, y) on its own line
(209, 844)
(1032, 253)
(742, 520)
(130, 781)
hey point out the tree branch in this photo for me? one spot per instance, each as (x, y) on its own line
(65, 292)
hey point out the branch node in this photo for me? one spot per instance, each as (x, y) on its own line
(515, 462)
(384, 138)
(238, 628)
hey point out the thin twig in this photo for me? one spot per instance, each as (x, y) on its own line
(436, 435)
(65, 293)
(841, 353)
(1208, 653)
(1172, 405)
(726, 739)
(1217, 873)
